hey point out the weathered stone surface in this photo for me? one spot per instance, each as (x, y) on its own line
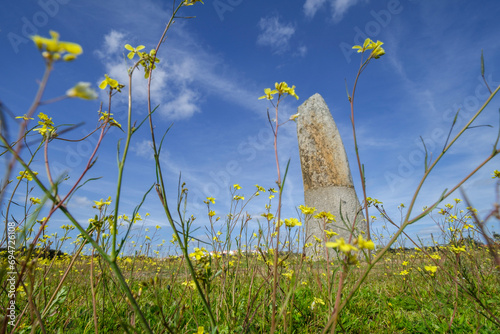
(326, 175)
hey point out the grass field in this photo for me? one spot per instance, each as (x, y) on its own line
(404, 293)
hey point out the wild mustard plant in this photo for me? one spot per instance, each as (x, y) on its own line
(375, 52)
(53, 50)
(282, 90)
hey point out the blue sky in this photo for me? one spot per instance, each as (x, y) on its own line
(215, 66)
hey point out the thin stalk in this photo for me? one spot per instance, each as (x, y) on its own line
(121, 167)
(93, 290)
(161, 186)
(22, 129)
(338, 298)
(9, 202)
(59, 205)
(417, 191)
(358, 159)
(278, 218)
(35, 310)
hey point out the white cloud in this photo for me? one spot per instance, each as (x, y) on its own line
(275, 34)
(80, 201)
(143, 149)
(114, 41)
(176, 103)
(180, 80)
(312, 6)
(338, 7)
(183, 106)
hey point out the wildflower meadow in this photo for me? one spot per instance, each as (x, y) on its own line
(113, 272)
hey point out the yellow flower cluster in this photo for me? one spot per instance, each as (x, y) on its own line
(25, 175)
(82, 90)
(372, 201)
(306, 210)
(377, 50)
(341, 245)
(54, 49)
(269, 216)
(46, 128)
(35, 200)
(457, 250)
(99, 204)
(112, 83)
(325, 215)
(259, 188)
(431, 269)
(106, 117)
(346, 248)
(198, 253)
(191, 2)
(209, 200)
(292, 222)
(330, 234)
(280, 89)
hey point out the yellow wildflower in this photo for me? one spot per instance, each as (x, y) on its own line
(82, 90)
(53, 49)
(26, 175)
(326, 215)
(209, 200)
(307, 210)
(362, 243)
(330, 234)
(431, 269)
(292, 222)
(341, 245)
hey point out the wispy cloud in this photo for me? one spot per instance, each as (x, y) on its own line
(275, 34)
(181, 81)
(116, 66)
(184, 105)
(113, 42)
(338, 7)
(144, 149)
(301, 51)
(78, 202)
(312, 6)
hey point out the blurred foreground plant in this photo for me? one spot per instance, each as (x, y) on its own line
(376, 51)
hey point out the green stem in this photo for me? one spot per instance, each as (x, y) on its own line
(427, 172)
(121, 167)
(21, 134)
(407, 221)
(161, 186)
(278, 218)
(358, 159)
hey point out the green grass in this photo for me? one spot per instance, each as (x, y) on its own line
(239, 296)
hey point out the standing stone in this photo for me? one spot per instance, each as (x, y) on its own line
(326, 175)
